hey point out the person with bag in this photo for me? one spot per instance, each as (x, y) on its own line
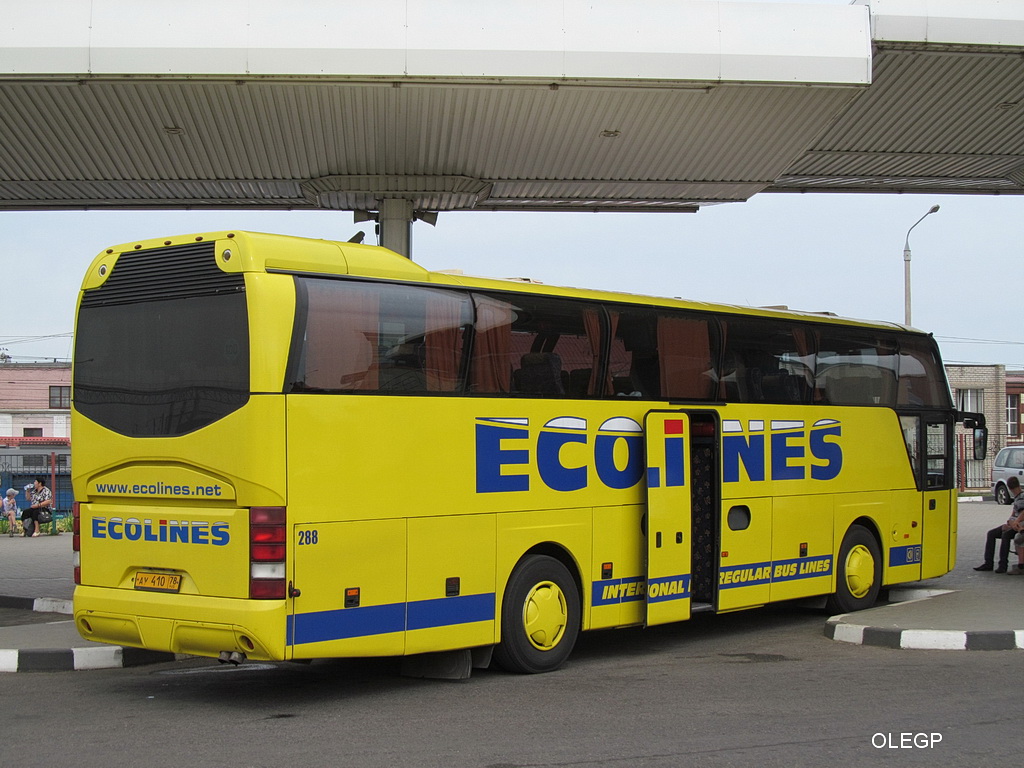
(39, 512)
(11, 510)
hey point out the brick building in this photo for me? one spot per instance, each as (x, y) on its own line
(981, 389)
(35, 426)
(1014, 392)
(35, 400)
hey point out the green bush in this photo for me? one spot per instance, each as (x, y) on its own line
(64, 525)
(5, 526)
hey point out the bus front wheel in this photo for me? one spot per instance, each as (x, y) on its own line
(858, 572)
(540, 617)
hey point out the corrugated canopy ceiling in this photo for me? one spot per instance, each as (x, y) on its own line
(106, 108)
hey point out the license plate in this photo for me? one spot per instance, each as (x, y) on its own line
(158, 582)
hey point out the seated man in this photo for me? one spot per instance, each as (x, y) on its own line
(1006, 531)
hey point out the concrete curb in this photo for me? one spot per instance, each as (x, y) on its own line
(96, 656)
(53, 605)
(40, 604)
(837, 628)
(76, 659)
(925, 639)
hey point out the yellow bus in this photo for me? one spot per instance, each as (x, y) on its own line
(289, 449)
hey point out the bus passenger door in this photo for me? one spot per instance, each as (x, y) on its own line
(937, 553)
(667, 434)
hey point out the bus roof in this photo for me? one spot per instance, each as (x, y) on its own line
(263, 252)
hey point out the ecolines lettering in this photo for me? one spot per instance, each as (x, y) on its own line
(506, 449)
(161, 489)
(504, 446)
(167, 531)
(794, 451)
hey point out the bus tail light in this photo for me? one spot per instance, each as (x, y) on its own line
(76, 540)
(268, 536)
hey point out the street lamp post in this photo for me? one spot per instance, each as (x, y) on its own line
(906, 266)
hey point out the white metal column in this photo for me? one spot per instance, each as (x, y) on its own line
(396, 225)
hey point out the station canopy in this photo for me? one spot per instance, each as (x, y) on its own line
(596, 105)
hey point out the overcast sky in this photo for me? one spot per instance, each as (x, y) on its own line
(838, 253)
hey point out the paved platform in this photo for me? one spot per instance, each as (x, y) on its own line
(37, 633)
(963, 610)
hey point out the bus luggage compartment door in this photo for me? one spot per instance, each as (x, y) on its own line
(667, 434)
(350, 580)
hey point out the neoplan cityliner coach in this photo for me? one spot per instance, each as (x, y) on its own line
(288, 449)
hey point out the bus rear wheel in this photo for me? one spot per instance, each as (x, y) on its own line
(540, 617)
(858, 572)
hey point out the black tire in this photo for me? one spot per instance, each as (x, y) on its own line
(1002, 495)
(858, 572)
(540, 617)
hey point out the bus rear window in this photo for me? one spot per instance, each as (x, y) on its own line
(165, 356)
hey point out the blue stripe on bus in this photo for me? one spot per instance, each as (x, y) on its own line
(668, 588)
(747, 575)
(614, 591)
(345, 623)
(629, 590)
(801, 568)
(909, 555)
(445, 611)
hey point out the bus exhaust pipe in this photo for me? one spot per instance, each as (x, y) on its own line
(231, 657)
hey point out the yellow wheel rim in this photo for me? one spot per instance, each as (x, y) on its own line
(860, 571)
(545, 615)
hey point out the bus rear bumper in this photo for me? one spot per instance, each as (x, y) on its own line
(187, 624)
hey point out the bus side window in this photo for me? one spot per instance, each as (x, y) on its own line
(920, 374)
(535, 345)
(340, 344)
(912, 437)
(660, 354)
(684, 352)
(856, 367)
(365, 337)
(401, 369)
(766, 362)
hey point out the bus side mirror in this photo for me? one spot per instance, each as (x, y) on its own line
(980, 443)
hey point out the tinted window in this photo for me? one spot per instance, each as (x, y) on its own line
(939, 475)
(656, 354)
(162, 367)
(922, 380)
(855, 367)
(369, 337)
(766, 362)
(534, 345)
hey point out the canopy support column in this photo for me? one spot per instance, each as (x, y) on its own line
(396, 225)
